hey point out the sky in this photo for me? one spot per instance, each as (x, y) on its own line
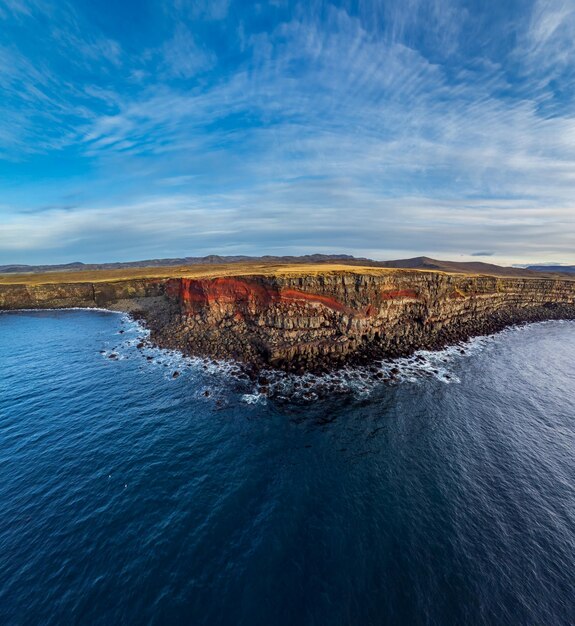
(134, 129)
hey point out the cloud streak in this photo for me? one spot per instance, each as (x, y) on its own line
(305, 127)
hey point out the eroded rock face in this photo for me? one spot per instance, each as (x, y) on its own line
(86, 295)
(316, 321)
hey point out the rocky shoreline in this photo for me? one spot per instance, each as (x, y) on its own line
(313, 322)
(169, 336)
(321, 323)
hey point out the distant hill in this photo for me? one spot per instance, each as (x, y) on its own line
(418, 263)
(464, 267)
(212, 259)
(566, 269)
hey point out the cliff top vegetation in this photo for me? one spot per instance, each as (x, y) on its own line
(243, 269)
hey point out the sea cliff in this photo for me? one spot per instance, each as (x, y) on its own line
(312, 320)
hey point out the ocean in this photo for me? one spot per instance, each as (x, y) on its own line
(138, 487)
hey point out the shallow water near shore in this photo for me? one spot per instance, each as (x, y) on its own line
(439, 491)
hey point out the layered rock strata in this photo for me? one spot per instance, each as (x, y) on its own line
(316, 321)
(124, 295)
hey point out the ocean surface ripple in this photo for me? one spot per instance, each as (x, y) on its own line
(139, 487)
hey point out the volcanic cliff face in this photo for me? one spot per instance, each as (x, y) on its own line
(313, 321)
(119, 295)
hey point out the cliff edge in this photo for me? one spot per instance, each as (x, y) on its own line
(306, 318)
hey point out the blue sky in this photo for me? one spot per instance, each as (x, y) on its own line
(139, 129)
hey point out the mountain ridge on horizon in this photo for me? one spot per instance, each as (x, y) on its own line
(420, 263)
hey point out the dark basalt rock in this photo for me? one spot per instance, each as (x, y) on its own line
(314, 322)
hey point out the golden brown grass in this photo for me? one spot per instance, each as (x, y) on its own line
(205, 271)
(189, 271)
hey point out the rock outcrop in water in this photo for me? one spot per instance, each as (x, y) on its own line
(313, 321)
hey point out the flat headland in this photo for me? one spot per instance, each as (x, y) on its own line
(304, 316)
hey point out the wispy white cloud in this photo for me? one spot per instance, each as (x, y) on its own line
(550, 30)
(330, 129)
(184, 224)
(183, 57)
(15, 8)
(209, 9)
(546, 46)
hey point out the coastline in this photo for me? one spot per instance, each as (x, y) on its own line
(367, 356)
(326, 322)
(257, 385)
(310, 319)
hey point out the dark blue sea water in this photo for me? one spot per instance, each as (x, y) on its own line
(128, 496)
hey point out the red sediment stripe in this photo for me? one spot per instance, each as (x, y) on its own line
(331, 303)
(197, 292)
(223, 290)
